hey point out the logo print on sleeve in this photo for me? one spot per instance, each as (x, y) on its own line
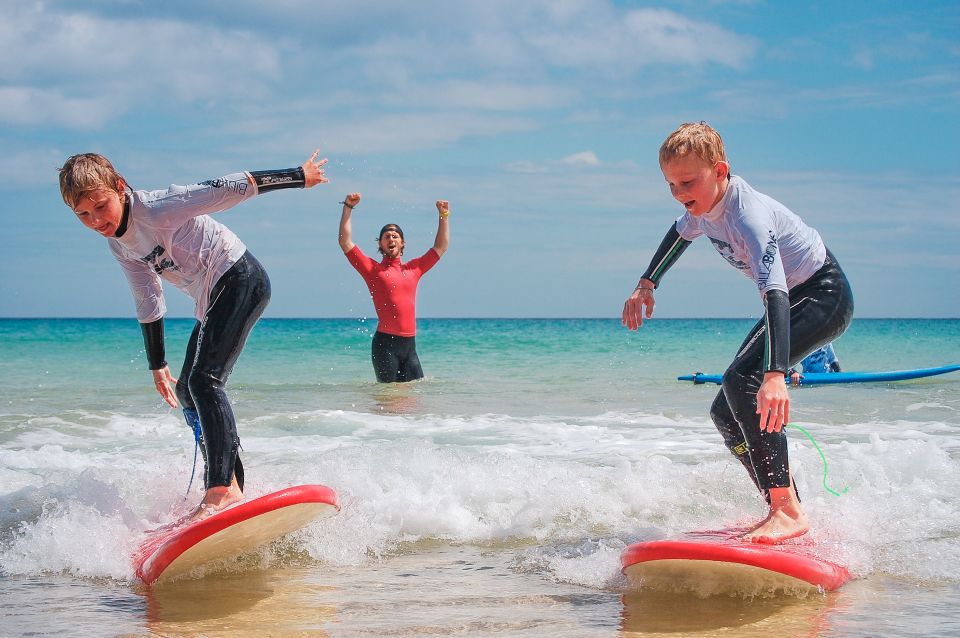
(766, 262)
(237, 186)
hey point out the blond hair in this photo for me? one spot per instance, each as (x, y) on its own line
(699, 139)
(86, 173)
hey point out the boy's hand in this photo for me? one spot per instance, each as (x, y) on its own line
(314, 171)
(351, 200)
(773, 403)
(638, 305)
(443, 207)
(166, 385)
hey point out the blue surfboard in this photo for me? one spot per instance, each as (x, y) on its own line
(822, 378)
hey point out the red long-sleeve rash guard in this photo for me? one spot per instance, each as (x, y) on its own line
(393, 287)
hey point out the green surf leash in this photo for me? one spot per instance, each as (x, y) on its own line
(822, 458)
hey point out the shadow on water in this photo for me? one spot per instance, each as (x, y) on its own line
(251, 603)
(396, 398)
(686, 614)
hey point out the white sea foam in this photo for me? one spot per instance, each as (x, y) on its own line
(568, 492)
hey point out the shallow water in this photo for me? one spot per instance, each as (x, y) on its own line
(493, 498)
(445, 590)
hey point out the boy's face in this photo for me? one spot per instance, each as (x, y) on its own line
(695, 183)
(100, 210)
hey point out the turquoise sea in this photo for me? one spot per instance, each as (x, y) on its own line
(492, 498)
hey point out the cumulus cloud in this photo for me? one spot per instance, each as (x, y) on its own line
(423, 130)
(78, 70)
(588, 158)
(107, 64)
(24, 105)
(32, 168)
(582, 159)
(485, 96)
(640, 38)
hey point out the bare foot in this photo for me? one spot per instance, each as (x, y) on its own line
(785, 520)
(216, 500)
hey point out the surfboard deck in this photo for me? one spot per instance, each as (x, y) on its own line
(175, 550)
(717, 562)
(823, 378)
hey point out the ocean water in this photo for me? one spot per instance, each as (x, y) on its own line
(492, 498)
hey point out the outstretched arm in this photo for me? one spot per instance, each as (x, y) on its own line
(309, 174)
(442, 242)
(640, 303)
(346, 227)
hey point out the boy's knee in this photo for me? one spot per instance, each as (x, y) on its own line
(733, 382)
(727, 425)
(740, 389)
(201, 382)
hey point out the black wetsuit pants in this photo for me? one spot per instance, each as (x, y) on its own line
(395, 358)
(236, 302)
(820, 310)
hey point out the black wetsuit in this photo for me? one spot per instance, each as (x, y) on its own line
(236, 303)
(821, 308)
(807, 300)
(395, 358)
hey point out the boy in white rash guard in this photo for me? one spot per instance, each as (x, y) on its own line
(168, 234)
(807, 304)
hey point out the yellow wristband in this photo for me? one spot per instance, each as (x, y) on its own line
(444, 214)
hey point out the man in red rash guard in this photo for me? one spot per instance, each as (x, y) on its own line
(393, 287)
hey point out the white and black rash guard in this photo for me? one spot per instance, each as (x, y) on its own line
(765, 241)
(758, 236)
(169, 235)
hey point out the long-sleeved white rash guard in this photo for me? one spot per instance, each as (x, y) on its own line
(170, 235)
(759, 236)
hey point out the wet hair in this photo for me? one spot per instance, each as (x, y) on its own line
(387, 228)
(698, 139)
(85, 173)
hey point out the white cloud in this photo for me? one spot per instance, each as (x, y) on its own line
(68, 66)
(588, 158)
(33, 168)
(527, 167)
(410, 131)
(560, 166)
(613, 41)
(484, 95)
(109, 65)
(24, 105)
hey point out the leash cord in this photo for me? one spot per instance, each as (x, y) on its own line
(193, 470)
(822, 458)
(193, 421)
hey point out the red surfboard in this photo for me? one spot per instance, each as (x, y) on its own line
(715, 563)
(175, 550)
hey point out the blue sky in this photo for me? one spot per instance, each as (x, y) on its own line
(539, 120)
